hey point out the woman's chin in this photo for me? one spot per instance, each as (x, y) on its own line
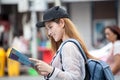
(56, 40)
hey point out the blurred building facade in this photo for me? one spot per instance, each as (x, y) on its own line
(89, 16)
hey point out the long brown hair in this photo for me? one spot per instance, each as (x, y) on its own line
(72, 32)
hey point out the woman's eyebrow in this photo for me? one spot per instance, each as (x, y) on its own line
(48, 25)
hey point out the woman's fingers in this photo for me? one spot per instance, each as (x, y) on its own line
(34, 60)
(36, 63)
(44, 73)
(38, 67)
(41, 66)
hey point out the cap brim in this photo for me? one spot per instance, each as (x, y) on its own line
(40, 24)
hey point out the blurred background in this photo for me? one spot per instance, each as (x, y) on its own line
(17, 29)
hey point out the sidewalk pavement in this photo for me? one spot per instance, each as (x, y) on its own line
(23, 78)
(33, 78)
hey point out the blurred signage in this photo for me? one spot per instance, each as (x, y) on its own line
(38, 5)
(23, 5)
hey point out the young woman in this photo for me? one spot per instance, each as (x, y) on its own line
(60, 29)
(113, 35)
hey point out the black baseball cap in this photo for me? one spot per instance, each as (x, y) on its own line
(51, 14)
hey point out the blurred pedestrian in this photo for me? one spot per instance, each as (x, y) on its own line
(112, 34)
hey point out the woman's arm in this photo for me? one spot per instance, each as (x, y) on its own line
(116, 65)
(116, 57)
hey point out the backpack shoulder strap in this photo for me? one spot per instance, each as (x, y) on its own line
(77, 44)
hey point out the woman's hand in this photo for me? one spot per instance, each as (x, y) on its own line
(41, 67)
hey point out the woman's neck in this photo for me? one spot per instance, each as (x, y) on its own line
(65, 37)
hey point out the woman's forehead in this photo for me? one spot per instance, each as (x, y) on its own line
(48, 23)
(107, 29)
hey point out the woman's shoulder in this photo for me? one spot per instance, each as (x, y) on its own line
(69, 45)
(117, 42)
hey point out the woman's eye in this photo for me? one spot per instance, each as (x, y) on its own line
(50, 27)
(47, 28)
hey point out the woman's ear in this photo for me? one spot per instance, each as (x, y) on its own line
(62, 22)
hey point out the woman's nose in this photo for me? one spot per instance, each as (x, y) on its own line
(49, 33)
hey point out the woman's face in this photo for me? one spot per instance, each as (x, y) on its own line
(55, 30)
(110, 35)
